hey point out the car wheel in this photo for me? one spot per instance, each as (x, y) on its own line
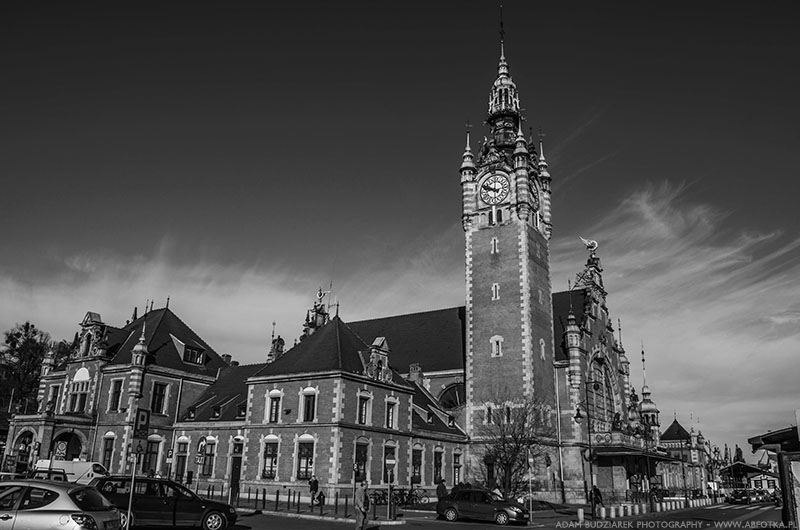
(451, 514)
(501, 518)
(214, 521)
(123, 519)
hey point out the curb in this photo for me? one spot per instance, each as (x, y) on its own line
(349, 520)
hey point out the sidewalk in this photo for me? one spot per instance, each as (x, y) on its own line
(327, 513)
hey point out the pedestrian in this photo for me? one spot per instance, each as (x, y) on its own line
(597, 496)
(456, 488)
(441, 490)
(361, 502)
(313, 485)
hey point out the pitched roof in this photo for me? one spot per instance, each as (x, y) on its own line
(228, 392)
(333, 347)
(432, 422)
(434, 339)
(162, 329)
(675, 432)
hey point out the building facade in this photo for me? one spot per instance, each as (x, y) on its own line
(343, 404)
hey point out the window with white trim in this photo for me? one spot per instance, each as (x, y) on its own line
(274, 412)
(495, 291)
(496, 345)
(115, 396)
(456, 467)
(416, 465)
(79, 393)
(270, 457)
(364, 412)
(438, 457)
(108, 450)
(309, 400)
(542, 351)
(305, 458)
(158, 403)
(362, 452)
(391, 413)
(389, 455)
(495, 242)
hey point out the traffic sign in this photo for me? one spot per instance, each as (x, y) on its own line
(142, 426)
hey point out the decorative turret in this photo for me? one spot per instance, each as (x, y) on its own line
(521, 157)
(276, 350)
(573, 333)
(648, 409)
(138, 358)
(468, 195)
(624, 363)
(546, 180)
(317, 316)
(504, 105)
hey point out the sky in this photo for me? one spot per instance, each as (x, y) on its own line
(237, 157)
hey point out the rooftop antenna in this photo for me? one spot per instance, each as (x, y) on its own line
(167, 302)
(330, 290)
(502, 33)
(146, 305)
(151, 304)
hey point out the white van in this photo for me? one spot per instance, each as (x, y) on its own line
(76, 470)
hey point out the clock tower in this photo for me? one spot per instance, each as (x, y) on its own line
(507, 227)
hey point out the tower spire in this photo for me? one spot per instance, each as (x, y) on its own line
(502, 35)
(644, 371)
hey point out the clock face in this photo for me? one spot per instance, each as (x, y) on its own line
(494, 189)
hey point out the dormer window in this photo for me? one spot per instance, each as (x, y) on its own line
(193, 355)
(191, 413)
(215, 412)
(241, 411)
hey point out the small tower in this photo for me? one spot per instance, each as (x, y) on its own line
(317, 316)
(648, 409)
(468, 197)
(138, 359)
(276, 350)
(544, 176)
(574, 350)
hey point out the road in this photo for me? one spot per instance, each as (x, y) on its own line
(723, 516)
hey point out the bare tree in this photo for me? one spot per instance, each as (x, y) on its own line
(515, 431)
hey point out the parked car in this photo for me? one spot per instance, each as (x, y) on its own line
(57, 475)
(42, 504)
(474, 503)
(76, 470)
(162, 502)
(743, 496)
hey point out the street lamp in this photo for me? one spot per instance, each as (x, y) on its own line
(578, 419)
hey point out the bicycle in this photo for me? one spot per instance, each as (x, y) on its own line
(417, 496)
(378, 497)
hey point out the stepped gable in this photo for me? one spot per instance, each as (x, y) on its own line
(434, 339)
(228, 393)
(166, 337)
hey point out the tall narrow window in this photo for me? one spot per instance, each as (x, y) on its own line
(390, 415)
(305, 460)
(416, 466)
(500, 215)
(208, 459)
(274, 407)
(180, 461)
(495, 291)
(116, 395)
(496, 343)
(159, 399)
(456, 468)
(150, 457)
(363, 409)
(108, 452)
(437, 465)
(361, 461)
(389, 462)
(494, 245)
(488, 418)
(309, 407)
(270, 460)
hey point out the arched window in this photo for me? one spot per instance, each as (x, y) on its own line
(208, 448)
(496, 344)
(270, 469)
(109, 440)
(438, 462)
(600, 394)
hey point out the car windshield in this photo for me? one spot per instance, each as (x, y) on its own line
(90, 500)
(496, 496)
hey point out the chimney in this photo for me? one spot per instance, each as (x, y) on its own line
(415, 373)
(227, 358)
(234, 363)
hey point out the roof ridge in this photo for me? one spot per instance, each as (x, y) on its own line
(411, 313)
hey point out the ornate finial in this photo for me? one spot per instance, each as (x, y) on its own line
(168, 302)
(468, 126)
(273, 330)
(619, 328)
(644, 372)
(541, 145)
(591, 245)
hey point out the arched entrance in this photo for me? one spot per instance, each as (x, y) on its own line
(23, 446)
(67, 446)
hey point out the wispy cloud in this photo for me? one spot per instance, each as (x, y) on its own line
(716, 305)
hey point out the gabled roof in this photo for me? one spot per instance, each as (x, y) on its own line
(162, 325)
(333, 347)
(786, 439)
(228, 392)
(434, 339)
(561, 305)
(425, 401)
(675, 432)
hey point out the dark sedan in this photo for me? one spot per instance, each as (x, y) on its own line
(162, 502)
(481, 504)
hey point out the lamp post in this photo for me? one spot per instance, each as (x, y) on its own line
(578, 419)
